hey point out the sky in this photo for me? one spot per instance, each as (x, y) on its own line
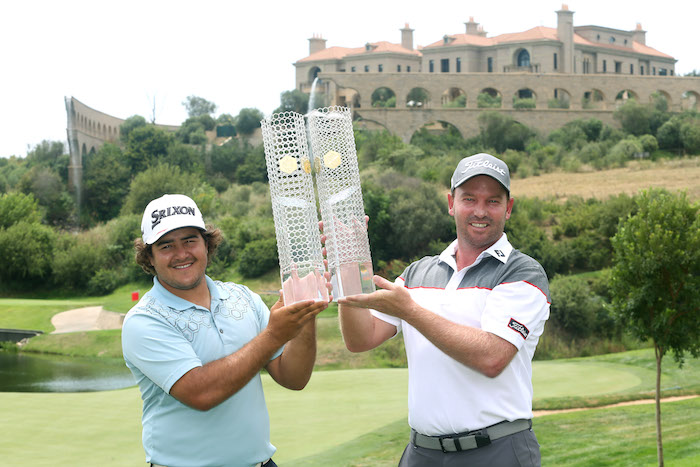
(128, 57)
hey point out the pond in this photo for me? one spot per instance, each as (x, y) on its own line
(20, 372)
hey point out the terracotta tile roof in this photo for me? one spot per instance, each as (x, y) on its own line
(539, 33)
(387, 47)
(535, 34)
(331, 53)
(337, 53)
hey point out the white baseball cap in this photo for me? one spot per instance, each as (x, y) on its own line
(167, 213)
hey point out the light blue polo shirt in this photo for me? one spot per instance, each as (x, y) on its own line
(163, 337)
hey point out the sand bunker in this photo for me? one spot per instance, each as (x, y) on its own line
(92, 318)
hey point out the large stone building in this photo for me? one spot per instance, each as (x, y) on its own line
(543, 76)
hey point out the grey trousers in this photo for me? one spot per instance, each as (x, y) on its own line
(517, 450)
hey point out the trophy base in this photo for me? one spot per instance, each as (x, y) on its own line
(310, 287)
(352, 279)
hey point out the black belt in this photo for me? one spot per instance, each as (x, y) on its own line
(469, 440)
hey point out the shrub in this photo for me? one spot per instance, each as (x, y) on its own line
(574, 306)
(26, 250)
(103, 282)
(258, 257)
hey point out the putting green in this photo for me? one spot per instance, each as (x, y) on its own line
(579, 378)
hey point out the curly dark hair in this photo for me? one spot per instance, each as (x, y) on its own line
(212, 237)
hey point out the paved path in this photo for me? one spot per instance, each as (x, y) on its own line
(538, 413)
(92, 318)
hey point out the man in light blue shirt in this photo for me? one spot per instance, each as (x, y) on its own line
(196, 348)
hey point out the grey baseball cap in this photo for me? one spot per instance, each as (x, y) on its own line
(481, 164)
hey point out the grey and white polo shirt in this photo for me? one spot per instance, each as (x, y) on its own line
(504, 292)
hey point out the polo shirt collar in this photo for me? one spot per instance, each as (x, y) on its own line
(171, 300)
(500, 250)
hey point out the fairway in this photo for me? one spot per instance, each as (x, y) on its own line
(336, 408)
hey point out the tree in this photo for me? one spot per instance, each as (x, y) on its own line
(26, 250)
(16, 207)
(655, 278)
(633, 117)
(106, 178)
(294, 101)
(45, 154)
(198, 106)
(155, 182)
(129, 125)
(146, 146)
(248, 120)
(50, 191)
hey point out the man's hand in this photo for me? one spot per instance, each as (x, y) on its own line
(391, 299)
(287, 321)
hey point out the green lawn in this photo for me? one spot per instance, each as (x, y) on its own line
(351, 414)
(343, 418)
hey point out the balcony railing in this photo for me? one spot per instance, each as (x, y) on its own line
(534, 68)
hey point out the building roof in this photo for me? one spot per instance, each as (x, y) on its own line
(337, 53)
(539, 33)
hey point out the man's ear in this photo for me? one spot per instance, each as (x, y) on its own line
(450, 204)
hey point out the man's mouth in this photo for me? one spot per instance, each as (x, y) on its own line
(479, 225)
(183, 266)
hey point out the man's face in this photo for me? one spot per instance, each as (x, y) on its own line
(480, 207)
(180, 259)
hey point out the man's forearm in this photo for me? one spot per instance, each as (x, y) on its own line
(207, 386)
(475, 348)
(293, 368)
(359, 328)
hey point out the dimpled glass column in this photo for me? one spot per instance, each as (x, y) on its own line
(294, 208)
(340, 196)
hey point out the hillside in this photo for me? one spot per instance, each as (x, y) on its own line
(674, 175)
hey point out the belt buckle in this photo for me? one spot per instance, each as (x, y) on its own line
(482, 438)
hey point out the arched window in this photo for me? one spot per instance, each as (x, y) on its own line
(524, 58)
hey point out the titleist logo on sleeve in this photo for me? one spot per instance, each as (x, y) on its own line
(519, 328)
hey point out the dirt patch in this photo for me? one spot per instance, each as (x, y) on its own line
(676, 175)
(538, 413)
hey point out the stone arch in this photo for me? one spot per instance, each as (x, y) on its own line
(437, 127)
(593, 99)
(561, 99)
(313, 73)
(418, 97)
(524, 98)
(489, 98)
(689, 100)
(624, 95)
(369, 124)
(660, 93)
(83, 151)
(383, 97)
(349, 97)
(454, 97)
(521, 58)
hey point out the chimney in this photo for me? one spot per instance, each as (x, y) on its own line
(565, 33)
(316, 44)
(407, 37)
(639, 35)
(473, 28)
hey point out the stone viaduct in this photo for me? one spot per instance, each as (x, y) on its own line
(605, 93)
(87, 130)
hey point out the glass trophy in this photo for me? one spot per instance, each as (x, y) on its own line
(294, 208)
(340, 196)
